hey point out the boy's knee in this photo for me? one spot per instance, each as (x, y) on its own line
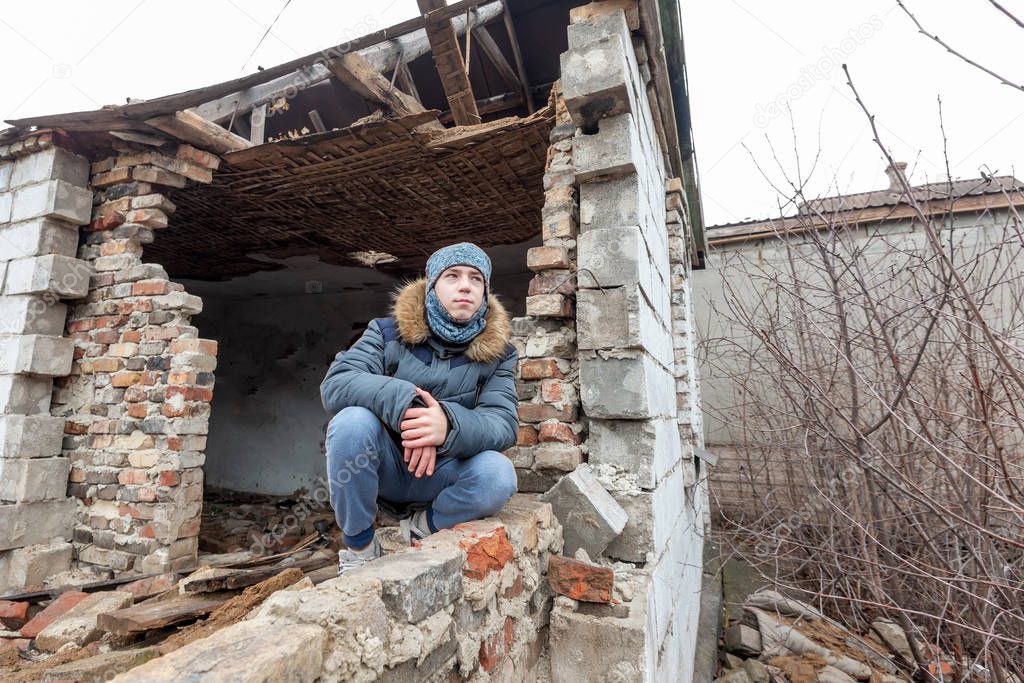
(498, 478)
(352, 421)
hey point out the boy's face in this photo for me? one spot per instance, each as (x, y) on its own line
(461, 291)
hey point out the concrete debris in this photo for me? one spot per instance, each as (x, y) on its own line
(590, 517)
(777, 638)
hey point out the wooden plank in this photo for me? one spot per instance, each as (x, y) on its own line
(194, 129)
(249, 577)
(258, 125)
(444, 45)
(192, 98)
(490, 48)
(153, 615)
(354, 71)
(318, 123)
(384, 57)
(510, 29)
(405, 81)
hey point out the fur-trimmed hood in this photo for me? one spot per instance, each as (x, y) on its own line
(410, 313)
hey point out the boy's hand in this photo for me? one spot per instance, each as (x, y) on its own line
(424, 426)
(421, 460)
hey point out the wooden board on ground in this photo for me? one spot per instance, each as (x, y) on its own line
(149, 616)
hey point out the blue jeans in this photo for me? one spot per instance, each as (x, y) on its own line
(364, 463)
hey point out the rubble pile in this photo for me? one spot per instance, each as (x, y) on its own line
(467, 602)
(781, 640)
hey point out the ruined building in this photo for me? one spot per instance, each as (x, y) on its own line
(177, 274)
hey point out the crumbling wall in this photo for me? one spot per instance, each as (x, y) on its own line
(43, 200)
(550, 432)
(639, 449)
(469, 603)
(136, 399)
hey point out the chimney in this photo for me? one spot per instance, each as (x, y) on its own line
(893, 171)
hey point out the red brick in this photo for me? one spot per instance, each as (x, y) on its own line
(494, 648)
(131, 336)
(150, 288)
(181, 378)
(147, 532)
(53, 611)
(135, 477)
(168, 478)
(107, 221)
(75, 428)
(207, 346)
(83, 325)
(191, 393)
(136, 511)
(539, 368)
(190, 528)
(551, 391)
(551, 283)
(198, 156)
(539, 412)
(485, 553)
(515, 589)
(580, 580)
(125, 379)
(526, 436)
(13, 615)
(137, 410)
(557, 432)
(544, 258)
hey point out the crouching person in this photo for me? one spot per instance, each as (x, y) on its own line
(423, 403)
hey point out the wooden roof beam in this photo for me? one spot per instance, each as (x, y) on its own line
(354, 71)
(444, 45)
(194, 129)
(384, 57)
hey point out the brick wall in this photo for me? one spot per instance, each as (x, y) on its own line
(43, 200)
(136, 400)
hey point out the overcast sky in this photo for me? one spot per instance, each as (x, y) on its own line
(750, 64)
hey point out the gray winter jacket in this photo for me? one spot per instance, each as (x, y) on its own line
(474, 383)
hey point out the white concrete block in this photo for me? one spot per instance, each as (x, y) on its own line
(597, 80)
(35, 354)
(28, 568)
(6, 167)
(653, 517)
(52, 199)
(62, 276)
(24, 394)
(52, 163)
(30, 436)
(622, 318)
(613, 151)
(37, 237)
(648, 448)
(6, 204)
(26, 480)
(631, 386)
(23, 524)
(26, 314)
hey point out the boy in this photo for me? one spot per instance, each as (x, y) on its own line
(423, 404)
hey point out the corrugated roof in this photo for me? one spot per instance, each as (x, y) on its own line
(922, 193)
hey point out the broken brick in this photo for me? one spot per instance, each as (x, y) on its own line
(485, 553)
(61, 604)
(13, 614)
(580, 580)
(494, 649)
(539, 368)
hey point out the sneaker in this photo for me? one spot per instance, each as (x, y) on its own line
(349, 559)
(414, 527)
